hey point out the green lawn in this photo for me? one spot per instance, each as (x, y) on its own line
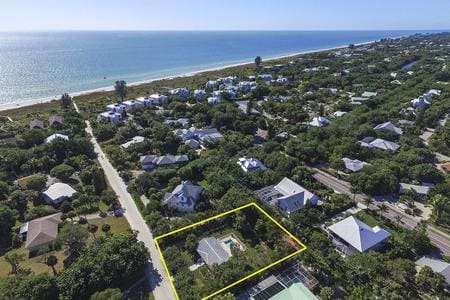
(374, 220)
(37, 263)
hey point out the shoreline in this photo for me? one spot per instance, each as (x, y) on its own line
(31, 102)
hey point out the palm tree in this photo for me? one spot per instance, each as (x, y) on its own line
(92, 228)
(368, 201)
(382, 208)
(121, 89)
(106, 228)
(51, 262)
(398, 219)
(439, 203)
(258, 61)
(66, 100)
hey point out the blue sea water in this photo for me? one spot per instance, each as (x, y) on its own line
(46, 64)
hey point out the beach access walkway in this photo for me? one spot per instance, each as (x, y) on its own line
(155, 271)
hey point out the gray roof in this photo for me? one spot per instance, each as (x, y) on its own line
(358, 234)
(55, 120)
(436, 265)
(184, 195)
(419, 189)
(211, 251)
(390, 127)
(353, 165)
(43, 230)
(165, 160)
(36, 124)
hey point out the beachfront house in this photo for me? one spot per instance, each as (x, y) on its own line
(184, 197)
(116, 107)
(110, 116)
(37, 124)
(389, 126)
(56, 137)
(352, 235)
(319, 122)
(158, 99)
(132, 104)
(288, 196)
(55, 121)
(57, 193)
(371, 142)
(145, 101)
(212, 84)
(135, 140)
(41, 233)
(151, 162)
(199, 94)
(251, 164)
(180, 92)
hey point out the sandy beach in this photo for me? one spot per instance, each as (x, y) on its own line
(15, 105)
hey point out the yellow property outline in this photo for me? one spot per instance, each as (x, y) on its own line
(218, 216)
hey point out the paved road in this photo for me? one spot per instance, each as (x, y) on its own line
(155, 270)
(437, 237)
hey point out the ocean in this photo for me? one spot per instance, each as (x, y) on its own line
(35, 65)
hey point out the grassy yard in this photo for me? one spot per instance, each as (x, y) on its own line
(118, 225)
(374, 220)
(37, 263)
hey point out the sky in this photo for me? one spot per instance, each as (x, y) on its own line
(25, 15)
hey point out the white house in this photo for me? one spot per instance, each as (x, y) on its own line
(184, 197)
(432, 93)
(246, 85)
(181, 92)
(437, 265)
(358, 236)
(57, 193)
(265, 77)
(338, 114)
(145, 101)
(371, 142)
(353, 165)
(319, 122)
(390, 127)
(116, 107)
(251, 164)
(158, 99)
(422, 190)
(211, 84)
(368, 94)
(54, 137)
(132, 104)
(214, 100)
(420, 102)
(110, 116)
(199, 94)
(135, 140)
(288, 196)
